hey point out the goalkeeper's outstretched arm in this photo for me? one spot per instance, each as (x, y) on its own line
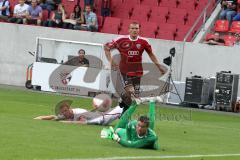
(151, 114)
(126, 116)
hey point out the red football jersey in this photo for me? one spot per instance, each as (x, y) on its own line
(131, 54)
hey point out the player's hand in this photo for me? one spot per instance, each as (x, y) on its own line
(163, 69)
(38, 118)
(107, 133)
(50, 117)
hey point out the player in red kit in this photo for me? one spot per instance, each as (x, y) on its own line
(131, 48)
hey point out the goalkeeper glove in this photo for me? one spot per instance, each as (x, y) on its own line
(107, 133)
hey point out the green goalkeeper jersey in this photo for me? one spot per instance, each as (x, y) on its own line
(127, 130)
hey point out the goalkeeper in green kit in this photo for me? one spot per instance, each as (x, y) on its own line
(135, 133)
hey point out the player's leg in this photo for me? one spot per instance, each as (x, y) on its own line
(125, 97)
(136, 81)
(131, 90)
(114, 114)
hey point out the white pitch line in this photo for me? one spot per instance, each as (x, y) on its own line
(152, 157)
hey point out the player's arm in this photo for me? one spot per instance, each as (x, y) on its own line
(138, 143)
(151, 114)
(154, 59)
(126, 116)
(107, 50)
(49, 117)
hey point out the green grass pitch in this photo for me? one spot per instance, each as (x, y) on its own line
(180, 131)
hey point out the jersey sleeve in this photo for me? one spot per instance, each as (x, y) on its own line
(114, 44)
(148, 47)
(138, 143)
(124, 120)
(151, 114)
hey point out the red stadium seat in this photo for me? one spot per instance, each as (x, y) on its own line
(115, 4)
(170, 4)
(209, 36)
(187, 4)
(229, 40)
(131, 2)
(159, 14)
(82, 4)
(182, 31)
(100, 22)
(235, 28)
(123, 11)
(149, 29)
(149, 2)
(183, 28)
(167, 27)
(125, 26)
(45, 15)
(167, 31)
(180, 35)
(192, 17)
(168, 35)
(177, 16)
(69, 6)
(141, 13)
(111, 25)
(221, 26)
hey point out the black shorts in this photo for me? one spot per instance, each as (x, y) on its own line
(132, 80)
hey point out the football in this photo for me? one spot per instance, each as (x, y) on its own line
(102, 102)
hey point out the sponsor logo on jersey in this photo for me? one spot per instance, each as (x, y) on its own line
(133, 53)
(138, 46)
(125, 45)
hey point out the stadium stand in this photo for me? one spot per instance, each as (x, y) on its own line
(69, 6)
(229, 40)
(141, 13)
(221, 26)
(149, 29)
(162, 14)
(235, 27)
(170, 4)
(111, 25)
(150, 2)
(177, 16)
(169, 35)
(209, 36)
(159, 14)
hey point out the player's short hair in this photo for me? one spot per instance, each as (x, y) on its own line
(81, 50)
(64, 105)
(134, 23)
(144, 119)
